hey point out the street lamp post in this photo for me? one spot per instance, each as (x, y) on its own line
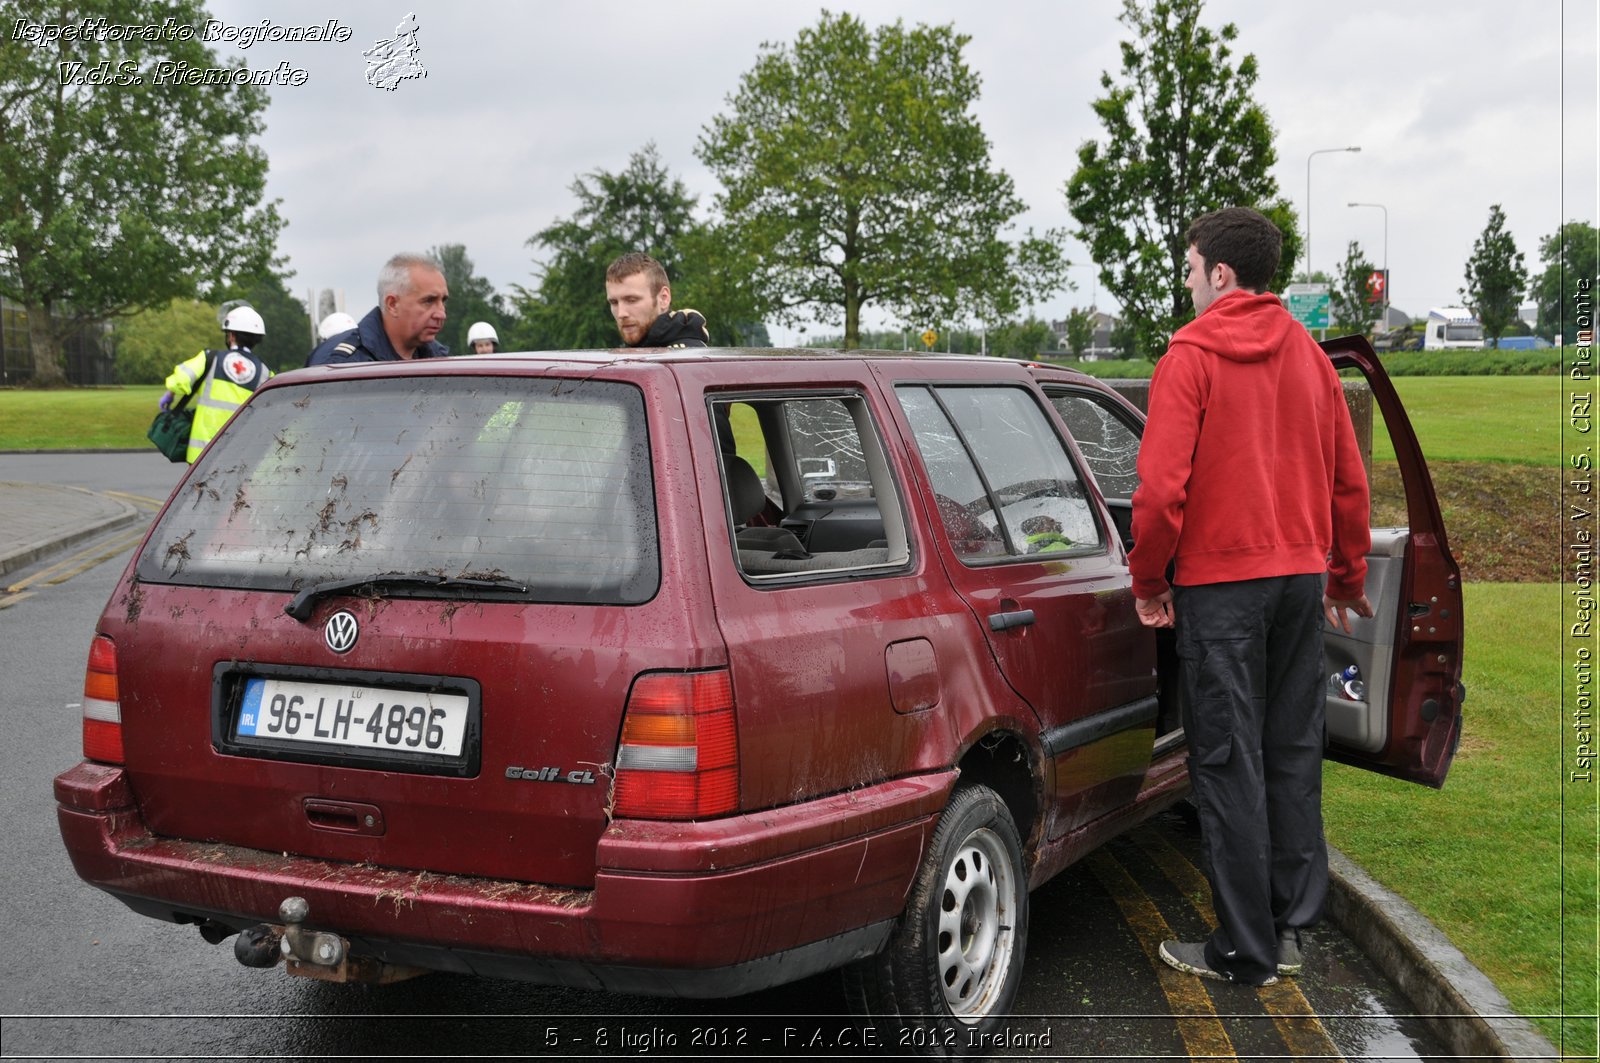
(1385, 305)
(1094, 280)
(1319, 151)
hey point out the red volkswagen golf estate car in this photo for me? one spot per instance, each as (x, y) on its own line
(681, 673)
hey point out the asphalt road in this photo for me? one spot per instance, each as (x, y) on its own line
(87, 977)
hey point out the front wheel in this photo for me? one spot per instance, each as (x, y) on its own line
(952, 966)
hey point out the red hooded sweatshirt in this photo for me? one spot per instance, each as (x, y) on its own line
(1249, 465)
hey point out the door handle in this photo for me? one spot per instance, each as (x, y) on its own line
(344, 817)
(1007, 621)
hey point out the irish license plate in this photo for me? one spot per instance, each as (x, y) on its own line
(371, 719)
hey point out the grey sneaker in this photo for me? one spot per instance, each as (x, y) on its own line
(1289, 951)
(1190, 958)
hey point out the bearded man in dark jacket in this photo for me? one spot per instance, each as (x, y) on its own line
(640, 300)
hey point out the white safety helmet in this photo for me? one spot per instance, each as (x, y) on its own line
(244, 319)
(482, 330)
(335, 323)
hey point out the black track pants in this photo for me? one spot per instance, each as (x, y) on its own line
(1251, 656)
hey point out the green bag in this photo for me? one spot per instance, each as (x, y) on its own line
(170, 430)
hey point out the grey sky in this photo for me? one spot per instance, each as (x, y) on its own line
(1456, 104)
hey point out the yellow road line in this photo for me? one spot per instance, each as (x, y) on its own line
(7, 601)
(83, 560)
(44, 574)
(1297, 1021)
(105, 555)
(1198, 1025)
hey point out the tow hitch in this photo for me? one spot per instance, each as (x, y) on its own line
(312, 953)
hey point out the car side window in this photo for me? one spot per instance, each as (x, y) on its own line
(750, 445)
(1108, 443)
(1005, 484)
(809, 490)
(964, 506)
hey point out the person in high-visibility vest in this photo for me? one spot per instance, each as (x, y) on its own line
(221, 381)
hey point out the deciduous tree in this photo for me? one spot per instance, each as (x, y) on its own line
(1569, 256)
(1080, 330)
(472, 298)
(1350, 309)
(854, 173)
(1184, 136)
(641, 208)
(1028, 338)
(877, 339)
(1496, 278)
(150, 343)
(123, 195)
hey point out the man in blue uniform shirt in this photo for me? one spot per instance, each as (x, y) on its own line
(411, 310)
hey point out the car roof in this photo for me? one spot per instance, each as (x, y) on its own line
(522, 361)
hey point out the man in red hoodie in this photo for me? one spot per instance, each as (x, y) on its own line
(1252, 488)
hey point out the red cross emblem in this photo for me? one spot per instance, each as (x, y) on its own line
(240, 370)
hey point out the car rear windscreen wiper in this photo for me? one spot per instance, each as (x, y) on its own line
(301, 604)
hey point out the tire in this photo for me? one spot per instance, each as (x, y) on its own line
(952, 966)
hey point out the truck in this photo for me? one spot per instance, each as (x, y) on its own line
(1452, 328)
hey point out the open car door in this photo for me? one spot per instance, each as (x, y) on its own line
(1409, 651)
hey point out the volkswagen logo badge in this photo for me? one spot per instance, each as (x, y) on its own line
(341, 631)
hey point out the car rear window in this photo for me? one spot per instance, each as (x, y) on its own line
(542, 481)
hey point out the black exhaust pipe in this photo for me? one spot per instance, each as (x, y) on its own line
(216, 933)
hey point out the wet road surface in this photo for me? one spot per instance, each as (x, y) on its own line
(1094, 990)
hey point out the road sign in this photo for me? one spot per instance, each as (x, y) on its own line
(929, 338)
(1308, 304)
(1377, 286)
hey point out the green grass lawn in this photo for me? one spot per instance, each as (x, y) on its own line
(1512, 419)
(1517, 420)
(1484, 857)
(77, 418)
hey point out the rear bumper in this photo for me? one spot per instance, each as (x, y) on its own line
(693, 909)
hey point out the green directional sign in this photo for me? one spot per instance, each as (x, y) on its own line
(1308, 304)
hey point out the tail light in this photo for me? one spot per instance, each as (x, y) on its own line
(102, 705)
(679, 756)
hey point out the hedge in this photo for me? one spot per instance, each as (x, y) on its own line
(1547, 362)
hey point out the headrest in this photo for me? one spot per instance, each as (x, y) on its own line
(744, 490)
